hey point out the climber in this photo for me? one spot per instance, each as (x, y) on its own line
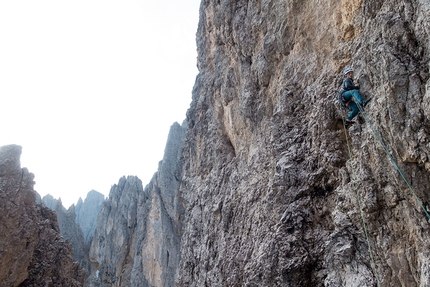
(350, 91)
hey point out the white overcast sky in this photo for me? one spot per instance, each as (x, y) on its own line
(90, 88)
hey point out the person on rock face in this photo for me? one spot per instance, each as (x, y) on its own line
(348, 92)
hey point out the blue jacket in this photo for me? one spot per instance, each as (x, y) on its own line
(347, 85)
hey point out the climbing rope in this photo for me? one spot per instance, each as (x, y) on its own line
(373, 264)
(393, 161)
(379, 138)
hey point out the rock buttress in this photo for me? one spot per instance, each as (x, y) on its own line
(32, 252)
(269, 188)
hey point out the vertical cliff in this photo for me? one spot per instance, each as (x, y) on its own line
(265, 186)
(86, 213)
(77, 224)
(272, 195)
(69, 229)
(136, 241)
(32, 252)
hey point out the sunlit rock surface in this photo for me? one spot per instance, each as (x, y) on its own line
(270, 191)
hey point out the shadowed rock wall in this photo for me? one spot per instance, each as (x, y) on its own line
(86, 213)
(32, 252)
(69, 229)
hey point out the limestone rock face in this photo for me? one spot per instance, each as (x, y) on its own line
(86, 213)
(69, 229)
(77, 224)
(137, 238)
(32, 252)
(110, 250)
(272, 196)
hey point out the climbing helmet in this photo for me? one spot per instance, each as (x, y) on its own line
(347, 70)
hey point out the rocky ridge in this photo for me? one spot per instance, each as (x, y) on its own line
(86, 213)
(32, 252)
(137, 238)
(77, 224)
(69, 229)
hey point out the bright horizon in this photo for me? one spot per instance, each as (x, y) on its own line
(89, 89)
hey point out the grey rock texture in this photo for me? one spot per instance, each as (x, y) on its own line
(86, 213)
(69, 229)
(111, 247)
(32, 252)
(77, 224)
(137, 238)
(270, 191)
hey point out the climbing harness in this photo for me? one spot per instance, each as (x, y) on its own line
(373, 264)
